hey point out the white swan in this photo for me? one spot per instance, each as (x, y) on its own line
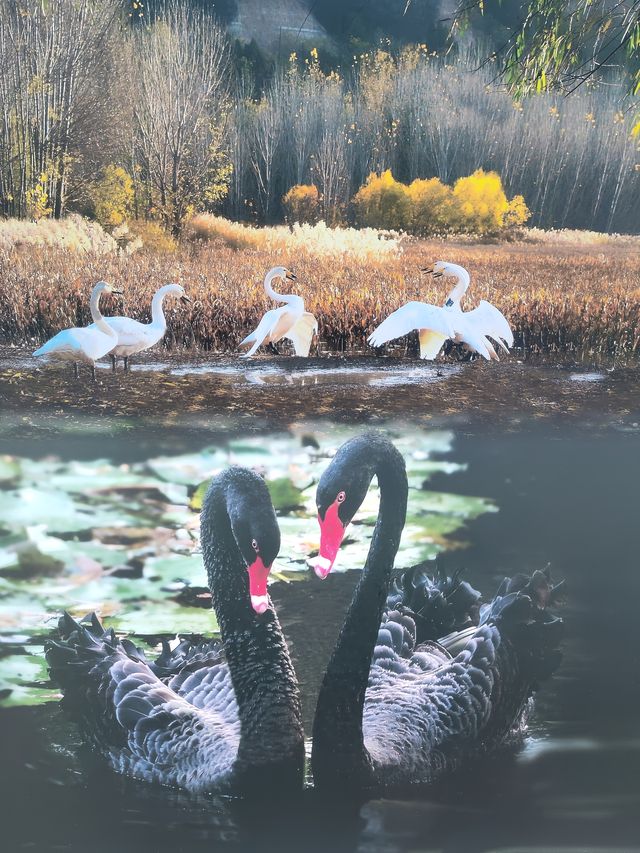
(133, 336)
(436, 324)
(86, 344)
(290, 321)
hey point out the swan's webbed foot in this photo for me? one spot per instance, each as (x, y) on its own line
(114, 363)
(126, 363)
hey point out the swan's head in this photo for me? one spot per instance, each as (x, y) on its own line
(105, 287)
(448, 270)
(282, 272)
(444, 268)
(255, 529)
(175, 290)
(341, 491)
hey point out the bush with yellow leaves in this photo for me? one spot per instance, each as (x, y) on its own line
(383, 202)
(112, 196)
(431, 206)
(302, 204)
(477, 204)
(481, 205)
(153, 236)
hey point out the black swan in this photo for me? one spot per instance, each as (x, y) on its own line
(222, 717)
(395, 706)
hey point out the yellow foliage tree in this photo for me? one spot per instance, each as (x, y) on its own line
(383, 202)
(302, 203)
(431, 206)
(112, 196)
(480, 203)
(37, 198)
(517, 212)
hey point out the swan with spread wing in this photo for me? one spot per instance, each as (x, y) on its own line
(289, 321)
(436, 324)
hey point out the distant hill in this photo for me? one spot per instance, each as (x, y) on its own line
(277, 26)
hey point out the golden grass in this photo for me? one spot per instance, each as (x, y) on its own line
(560, 298)
(317, 240)
(74, 233)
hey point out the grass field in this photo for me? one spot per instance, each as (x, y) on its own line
(566, 294)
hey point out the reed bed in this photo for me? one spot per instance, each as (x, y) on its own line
(579, 299)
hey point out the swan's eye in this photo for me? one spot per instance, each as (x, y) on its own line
(254, 545)
(341, 497)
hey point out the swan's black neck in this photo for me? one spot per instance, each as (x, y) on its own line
(264, 681)
(339, 752)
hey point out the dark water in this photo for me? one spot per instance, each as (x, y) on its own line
(566, 497)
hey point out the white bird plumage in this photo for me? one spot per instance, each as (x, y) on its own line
(133, 336)
(435, 324)
(84, 344)
(289, 321)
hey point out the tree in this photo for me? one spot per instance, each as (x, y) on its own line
(51, 57)
(555, 45)
(180, 108)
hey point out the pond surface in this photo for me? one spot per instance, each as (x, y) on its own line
(497, 492)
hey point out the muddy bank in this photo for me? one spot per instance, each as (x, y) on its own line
(215, 392)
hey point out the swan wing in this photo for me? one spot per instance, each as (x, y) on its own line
(301, 334)
(264, 331)
(141, 724)
(88, 343)
(430, 343)
(200, 674)
(413, 315)
(492, 323)
(132, 335)
(467, 333)
(426, 704)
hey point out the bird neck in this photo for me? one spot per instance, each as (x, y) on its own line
(96, 315)
(261, 670)
(157, 314)
(456, 294)
(339, 751)
(268, 289)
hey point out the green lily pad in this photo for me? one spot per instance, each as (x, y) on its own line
(284, 495)
(23, 680)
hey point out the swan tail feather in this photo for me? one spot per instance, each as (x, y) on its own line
(521, 612)
(438, 604)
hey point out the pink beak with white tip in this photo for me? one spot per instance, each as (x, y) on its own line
(332, 532)
(258, 574)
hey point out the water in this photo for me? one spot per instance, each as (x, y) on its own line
(566, 492)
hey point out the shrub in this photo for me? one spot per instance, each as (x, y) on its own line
(302, 204)
(153, 236)
(517, 212)
(383, 202)
(431, 206)
(480, 203)
(112, 197)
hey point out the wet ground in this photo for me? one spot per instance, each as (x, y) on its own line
(215, 392)
(555, 448)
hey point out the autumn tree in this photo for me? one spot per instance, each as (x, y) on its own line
(180, 108)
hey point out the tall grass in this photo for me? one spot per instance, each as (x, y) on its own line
(579, 299)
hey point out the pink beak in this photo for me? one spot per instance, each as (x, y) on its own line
(258, 574)
(331, 535)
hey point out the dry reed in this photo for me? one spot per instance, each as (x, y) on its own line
(580, 299)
